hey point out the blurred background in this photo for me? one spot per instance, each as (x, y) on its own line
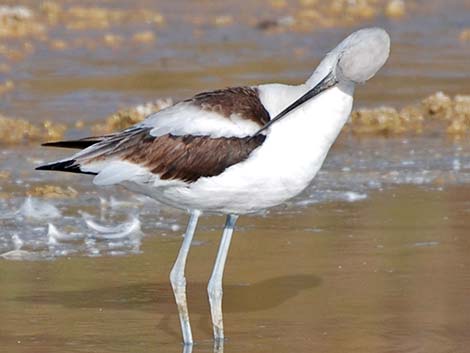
(373, 257)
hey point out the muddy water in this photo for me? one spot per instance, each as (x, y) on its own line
(371, 258)
(386, 274)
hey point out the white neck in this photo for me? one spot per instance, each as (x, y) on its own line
(323, 69)
(300, 141)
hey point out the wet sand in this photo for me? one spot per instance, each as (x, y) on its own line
(386, 274)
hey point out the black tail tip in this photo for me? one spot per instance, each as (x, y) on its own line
(77, 144)
(66, 166)
(70, 166)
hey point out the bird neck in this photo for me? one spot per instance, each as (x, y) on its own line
(310, 129)
(322, 70)
(323, 115)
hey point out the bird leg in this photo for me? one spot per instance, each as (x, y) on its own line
(188, 348)
(214, 288)
(178, 281)
(218, 347)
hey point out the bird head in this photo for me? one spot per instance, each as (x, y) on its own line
(355, 60)
(361, 55)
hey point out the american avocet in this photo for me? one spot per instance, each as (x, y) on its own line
(232, 151)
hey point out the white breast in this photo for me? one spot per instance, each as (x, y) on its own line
(284, 164)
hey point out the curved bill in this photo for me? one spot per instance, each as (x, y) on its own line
(327, 82)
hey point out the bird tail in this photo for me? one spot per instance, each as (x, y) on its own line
(68, 165)
(75, 144)
(79, 144)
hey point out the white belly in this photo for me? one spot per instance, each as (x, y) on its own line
(279, 169)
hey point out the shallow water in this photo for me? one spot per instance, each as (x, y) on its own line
(373, 257)
(389, 274)
(95, 221)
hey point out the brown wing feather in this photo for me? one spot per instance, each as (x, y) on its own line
(186, 158)
(243, 101)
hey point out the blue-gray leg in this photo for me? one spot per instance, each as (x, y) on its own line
(214, 289)
(178, 281)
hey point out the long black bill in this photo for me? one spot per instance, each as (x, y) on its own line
(327, 82)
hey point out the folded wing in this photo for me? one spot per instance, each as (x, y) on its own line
(200, 137)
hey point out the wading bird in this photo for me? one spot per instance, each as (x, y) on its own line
(232, 151)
